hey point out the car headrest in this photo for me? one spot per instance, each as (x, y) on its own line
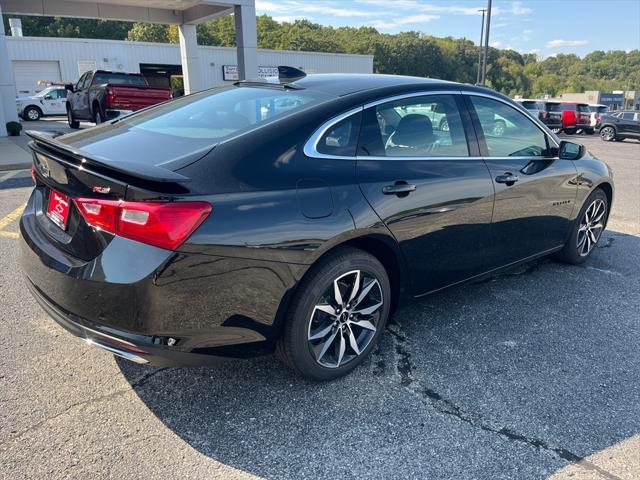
(413, 130)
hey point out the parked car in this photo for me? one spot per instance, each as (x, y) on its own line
(553, 118)
(619, 125)
(208, 226)
(575, 117)
(596, 111)
(100, 95)
(49, 101)
(536, 107)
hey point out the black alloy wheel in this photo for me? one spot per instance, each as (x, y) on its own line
(337, 316)
(587, 229)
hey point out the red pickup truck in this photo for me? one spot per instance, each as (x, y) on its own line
(100, 95)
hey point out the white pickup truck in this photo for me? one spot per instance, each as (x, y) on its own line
(50, 101)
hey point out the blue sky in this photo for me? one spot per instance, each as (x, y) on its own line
(544, 27)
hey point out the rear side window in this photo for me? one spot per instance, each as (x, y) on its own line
(507, 132)
(424, 126)
(627, 115)
(342, 138)
(214, 115)
(119, 79)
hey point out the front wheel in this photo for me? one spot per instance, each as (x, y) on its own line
(608, 134)
(587, 229)
(73, 123)
(337, 315)
(32, 113)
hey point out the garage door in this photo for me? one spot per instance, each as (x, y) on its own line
(26, 74)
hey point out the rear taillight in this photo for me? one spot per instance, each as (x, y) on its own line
(164, 225)
(111, 97)
(33, 173)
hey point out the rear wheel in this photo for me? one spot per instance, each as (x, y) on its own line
(337, 316)
(608, 134)
(32, 113)
(499, 127)
(569, 131)
(73, 123)
(587, 229)
(98, 117)
(588, 131)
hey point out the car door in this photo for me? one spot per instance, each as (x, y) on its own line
(626, 125)
(426, 182)
(53, 103)
(81, 97)
(535, 191)
(636, 124)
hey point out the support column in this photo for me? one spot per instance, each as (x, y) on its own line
(246, 41)
(8, 111)
(190, 59)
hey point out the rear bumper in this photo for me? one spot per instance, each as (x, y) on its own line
(179, 308)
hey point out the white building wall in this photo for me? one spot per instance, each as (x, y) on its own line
(127, 56)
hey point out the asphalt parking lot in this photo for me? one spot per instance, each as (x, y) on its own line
(532, 374)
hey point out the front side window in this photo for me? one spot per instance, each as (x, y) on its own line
(82, 81)
(507, 132)
(424, 126)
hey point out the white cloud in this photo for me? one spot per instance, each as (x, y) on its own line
(518, 9)
(293, 7)
(398, 22)
(417, 6)
(495, 44)
(288, 18)
(566, 43)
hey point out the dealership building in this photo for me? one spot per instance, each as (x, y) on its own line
(26, 64)
(36, 61)
(617, 100)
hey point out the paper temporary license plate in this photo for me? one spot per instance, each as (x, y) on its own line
(58, 209)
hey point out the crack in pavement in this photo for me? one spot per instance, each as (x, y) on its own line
(405, 368)
(138, 383)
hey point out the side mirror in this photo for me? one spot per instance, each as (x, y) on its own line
(570, 150)
(69, 86)
(48, 97)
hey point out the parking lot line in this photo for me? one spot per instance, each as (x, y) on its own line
(13, 235)
(7, 219)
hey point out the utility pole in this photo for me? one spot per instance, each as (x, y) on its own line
(486, 43)
(483, 10)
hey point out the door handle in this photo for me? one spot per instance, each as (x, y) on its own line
(507, 178)
(400, 188)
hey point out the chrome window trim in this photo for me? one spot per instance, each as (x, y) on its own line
(310, 147)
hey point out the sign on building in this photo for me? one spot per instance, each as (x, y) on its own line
(230, 72)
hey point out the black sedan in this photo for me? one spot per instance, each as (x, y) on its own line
(292, 216)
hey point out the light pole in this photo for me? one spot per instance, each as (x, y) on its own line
(486, 43)
(480, 46)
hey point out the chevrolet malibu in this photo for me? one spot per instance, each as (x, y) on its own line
(293, 215)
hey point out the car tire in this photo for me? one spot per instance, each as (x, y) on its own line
(98, 117)
(327, 334)
(586, 230)
(73, 123)
(570, 131)
(588, 131)
(607, 134)
(32, 114)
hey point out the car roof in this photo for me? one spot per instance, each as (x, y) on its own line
(341, 84)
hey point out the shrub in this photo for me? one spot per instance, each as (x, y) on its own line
(13, 128)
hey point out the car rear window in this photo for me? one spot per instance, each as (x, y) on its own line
(530, 105)
(214, 115)
(583, 108)
(555, 107)
(119, 79)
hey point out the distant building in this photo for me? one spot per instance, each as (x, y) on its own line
(38, 60)
(617, 100)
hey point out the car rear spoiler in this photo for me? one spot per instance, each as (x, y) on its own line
(151, 173)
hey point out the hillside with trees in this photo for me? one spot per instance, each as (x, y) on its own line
(406, 53)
